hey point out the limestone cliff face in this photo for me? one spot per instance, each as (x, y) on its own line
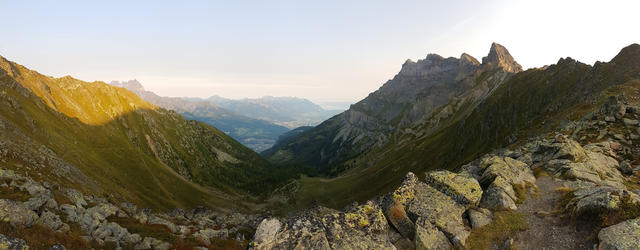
(418, 91)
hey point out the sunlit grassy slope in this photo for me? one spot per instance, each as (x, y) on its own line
(528, 104)
(122, 145)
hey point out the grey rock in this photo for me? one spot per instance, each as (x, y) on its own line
(16, 214)
(76, 197)
(51, 221)
(462, 188)
(132, 239)
(479, 217)
(42, 199)
(9, 243)
(129, 208)
(431, 206)
(626, 168)
(499, 196)
(624, 235)
(266, 231)
(429, 237)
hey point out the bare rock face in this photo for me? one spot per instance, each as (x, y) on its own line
(420, 89)
(499, 57)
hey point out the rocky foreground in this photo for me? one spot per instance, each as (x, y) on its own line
(592, 160)
(101, 224)
(597, 179)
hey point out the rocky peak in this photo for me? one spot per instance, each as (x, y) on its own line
(466, 59)
(467, 65)
(132, 85)
(499, 57)
(628, 57)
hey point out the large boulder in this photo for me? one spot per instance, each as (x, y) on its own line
(16, 214)
(499, 176)
(362, 227)
(266, 232)
(76, 197)
(394, 204)
(52, 221)
(512, 171)
(590, 200)
(479, 217)
(432, 206)
(428, 237)
(43, 199)
(625, 235)
(462, 188)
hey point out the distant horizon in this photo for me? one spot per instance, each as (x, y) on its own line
(329, 51)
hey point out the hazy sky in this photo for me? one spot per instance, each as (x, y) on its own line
(320, 50)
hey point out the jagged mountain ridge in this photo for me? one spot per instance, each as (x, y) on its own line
(415, 93)
(102, 139)
(256, 134)
(525, 104)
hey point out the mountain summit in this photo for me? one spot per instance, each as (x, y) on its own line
(417, 92)
(499, 56)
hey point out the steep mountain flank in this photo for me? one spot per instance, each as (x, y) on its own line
(256, 134)
(525, 104)
(106, 140)
(419, 90)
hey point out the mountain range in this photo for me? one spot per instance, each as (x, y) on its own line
(449, 153)
(256, 123)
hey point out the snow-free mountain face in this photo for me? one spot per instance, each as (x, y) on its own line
(417, 92)
(102, 139)
(256, 134)
(291, 112)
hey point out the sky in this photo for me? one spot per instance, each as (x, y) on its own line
(319, 50)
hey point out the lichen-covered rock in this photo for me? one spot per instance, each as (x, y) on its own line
(12, 243)
(431, 205)
(393, 206)
(428, 237)
(512, 171)
(16, 214)
(52, 221)
(561, 148)
(601, 199)
(362, 227)
(462, 188)
(76, 197)
(41, 199)
(479, 217)
(625, 235)
(499, 195)
(266, 232)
